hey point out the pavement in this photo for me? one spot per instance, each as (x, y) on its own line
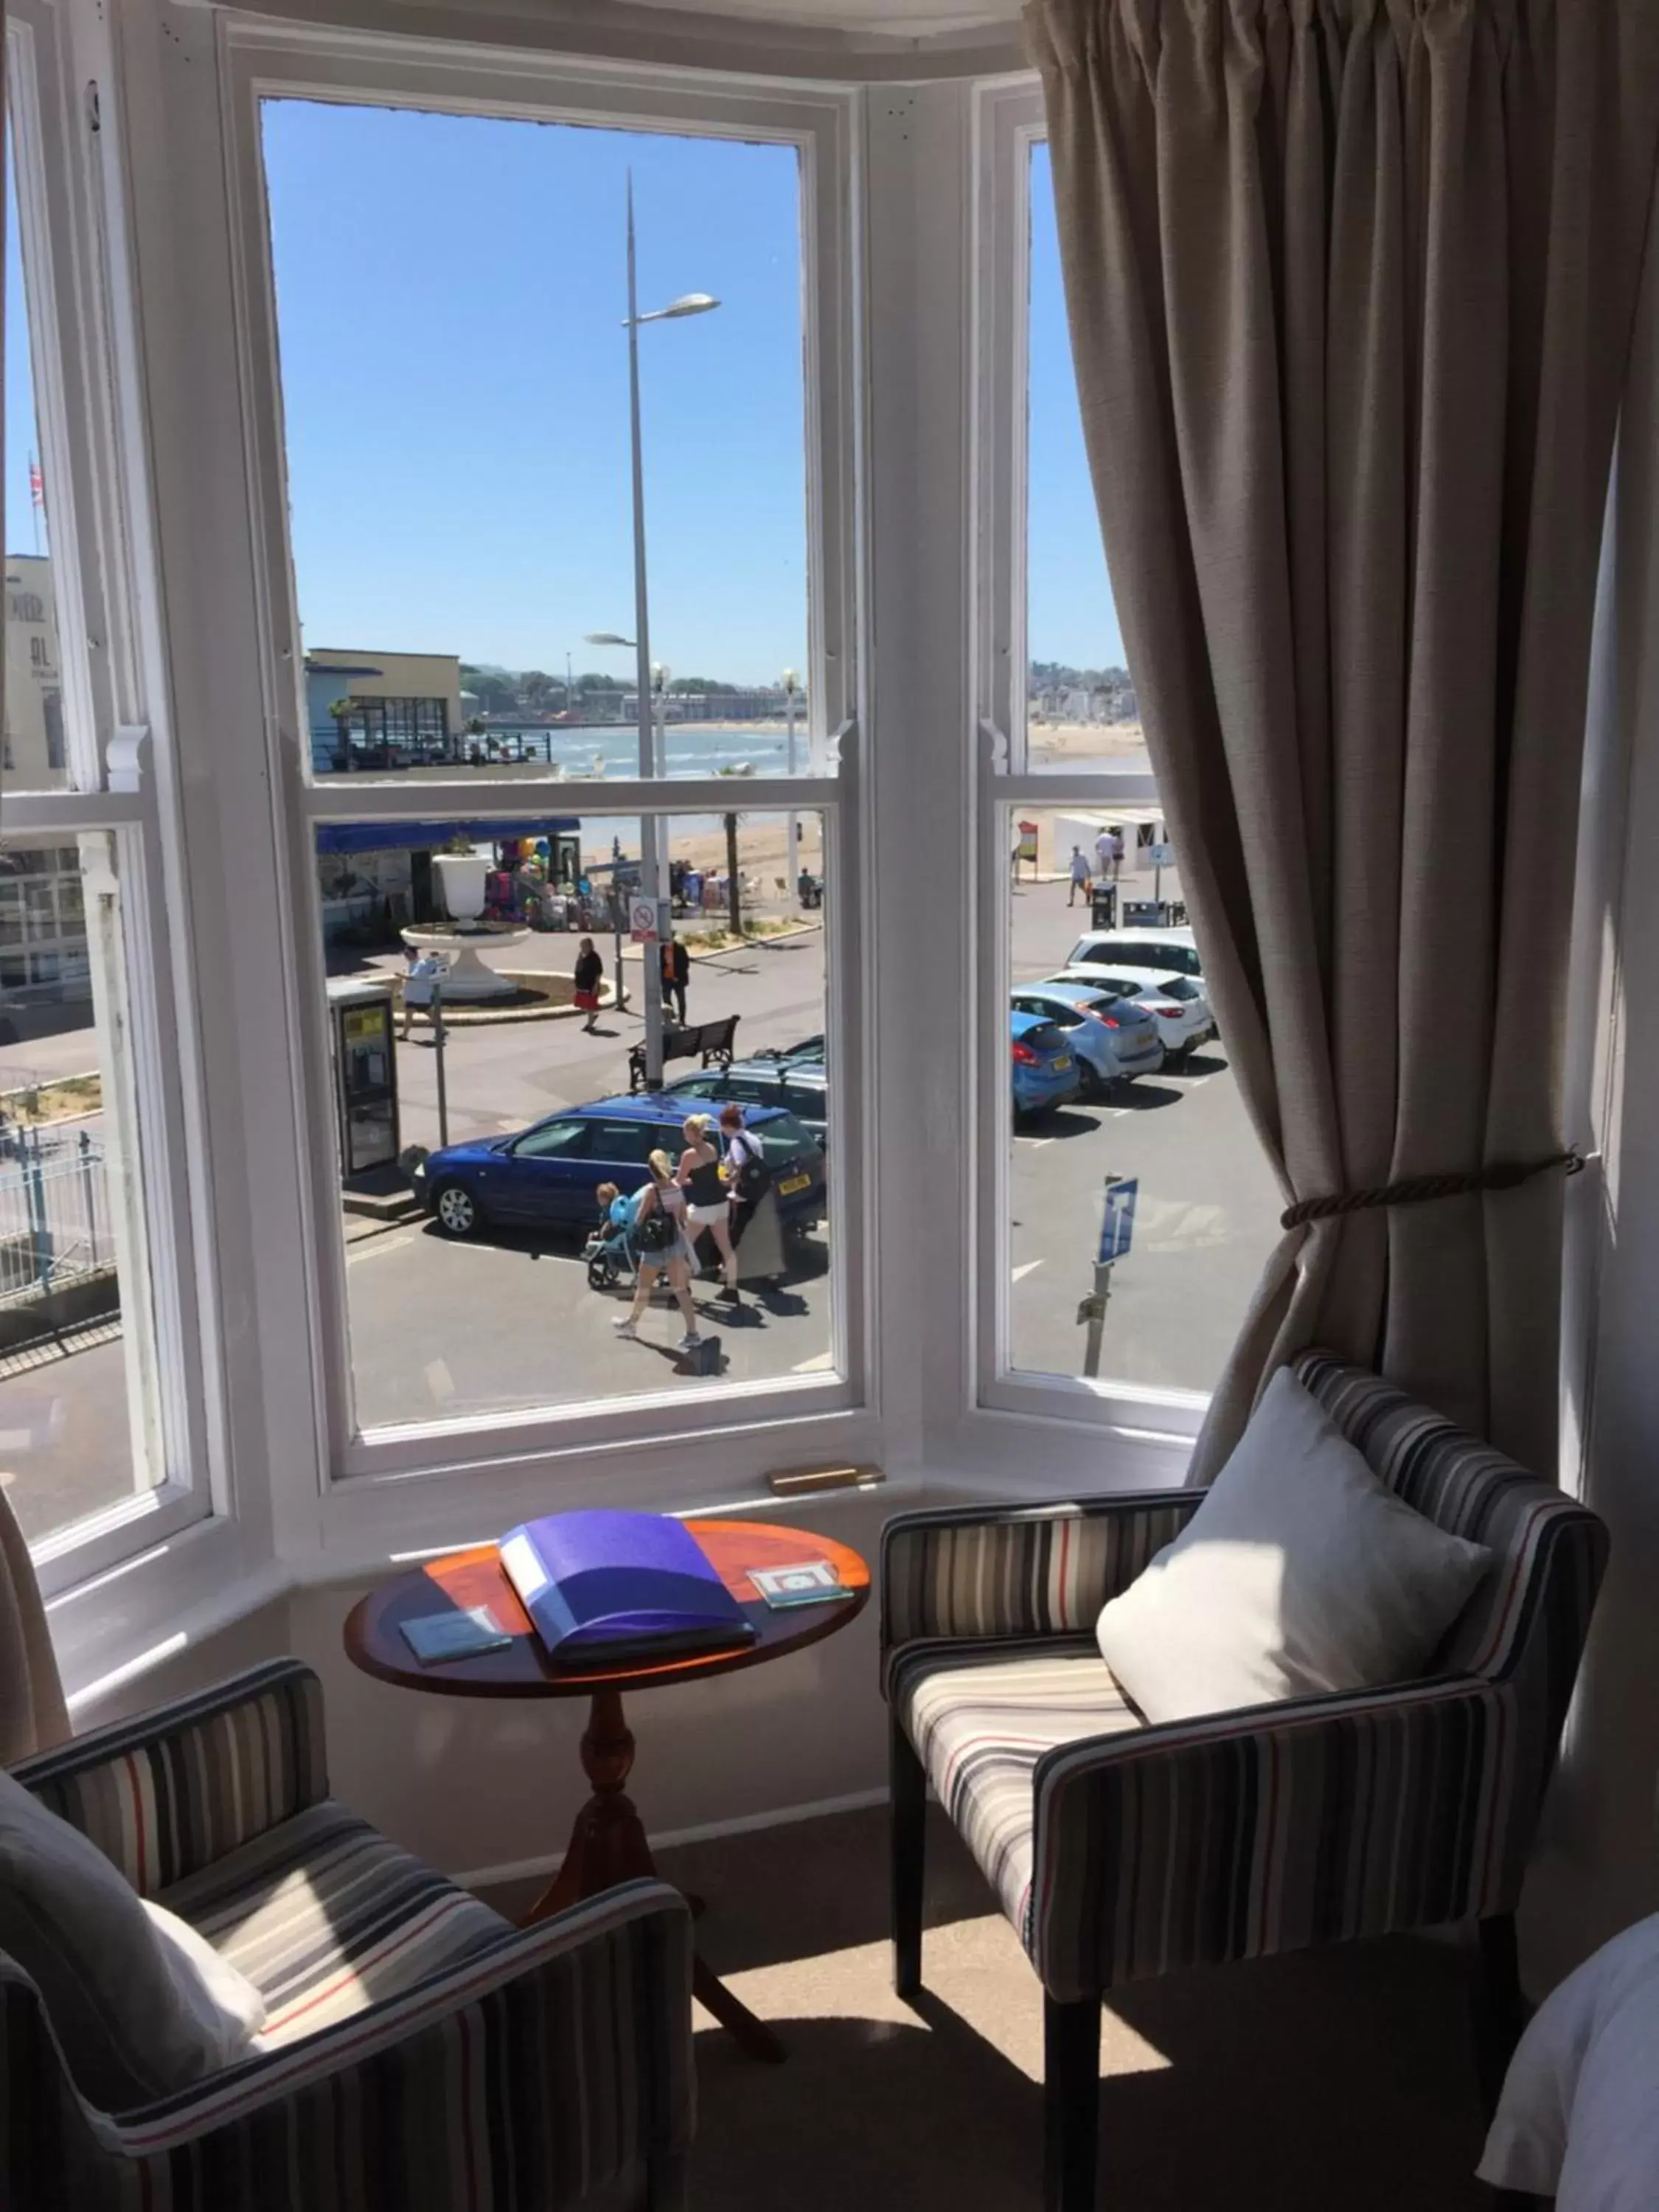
(457, 1331)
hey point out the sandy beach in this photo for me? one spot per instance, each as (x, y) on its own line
(1072, 742)
(762, 841)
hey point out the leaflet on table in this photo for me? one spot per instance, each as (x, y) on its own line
(603, 1586)
(807, 1581)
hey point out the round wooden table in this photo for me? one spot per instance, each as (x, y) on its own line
(607, 1843)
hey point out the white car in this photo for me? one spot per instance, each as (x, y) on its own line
(1160, 951)
(1177, 1003)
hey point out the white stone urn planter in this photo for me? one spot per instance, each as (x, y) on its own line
(462, 876)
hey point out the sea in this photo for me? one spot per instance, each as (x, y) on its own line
(604, 750)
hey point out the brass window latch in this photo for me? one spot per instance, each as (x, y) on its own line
(802, 1481)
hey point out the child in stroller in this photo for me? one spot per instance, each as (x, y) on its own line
(609, 1250)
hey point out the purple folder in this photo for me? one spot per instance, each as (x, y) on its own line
(602, 1587)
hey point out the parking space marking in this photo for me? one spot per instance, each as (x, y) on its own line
(1019, 1274)
(440, 1382)
(365, 1245)
(817, 1366)
(1034, 1143)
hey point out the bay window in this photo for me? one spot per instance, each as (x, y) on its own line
(365, 430)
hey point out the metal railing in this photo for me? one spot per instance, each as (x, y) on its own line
(54, 1210)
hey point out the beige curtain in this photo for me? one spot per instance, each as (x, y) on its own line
(33, 1715)
(1350, 286)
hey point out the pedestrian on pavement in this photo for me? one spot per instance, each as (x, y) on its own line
(420, 980)
(1103, 868)
(676, 974)
(659, 1240)
(1079, 876)
(588, 970)
(746, 1176)
(706, 1203)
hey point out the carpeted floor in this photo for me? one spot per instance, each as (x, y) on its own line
(1336, 2082)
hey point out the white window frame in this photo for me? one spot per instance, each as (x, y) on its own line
(1009, 123)
(260, 59)
(122, 812)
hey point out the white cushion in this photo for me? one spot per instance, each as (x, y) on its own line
(140, 2003)
(1300, 1572)
(1578, 2119)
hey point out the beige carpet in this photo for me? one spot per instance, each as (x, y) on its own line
(1338, 2083)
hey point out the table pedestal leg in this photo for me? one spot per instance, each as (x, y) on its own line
(608, 1845)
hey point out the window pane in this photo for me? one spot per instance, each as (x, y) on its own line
(1137, 1085)
(462, 528)
(469, 1289)
(33, 756)
(74, 1420)
(1081, 710)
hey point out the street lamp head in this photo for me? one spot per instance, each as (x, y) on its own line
(605, 637)
(791, 680)
(689, 303)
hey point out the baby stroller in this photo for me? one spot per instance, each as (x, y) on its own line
(610, 1251)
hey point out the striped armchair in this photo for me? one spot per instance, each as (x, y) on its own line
(1120, 1850)
(420, 2051)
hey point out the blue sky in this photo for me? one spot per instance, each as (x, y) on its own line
(454, 378)
(21, 440)
(1070, 616)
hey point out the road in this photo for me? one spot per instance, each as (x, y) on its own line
(441, 1330)
(1206, 1214)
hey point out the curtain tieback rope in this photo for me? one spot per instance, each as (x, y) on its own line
(1414, 1190)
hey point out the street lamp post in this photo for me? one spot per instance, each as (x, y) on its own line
(791, 857)
(689, 303)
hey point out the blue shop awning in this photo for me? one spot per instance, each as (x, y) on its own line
(432, 836)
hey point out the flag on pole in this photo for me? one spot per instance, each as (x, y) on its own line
(37, 486)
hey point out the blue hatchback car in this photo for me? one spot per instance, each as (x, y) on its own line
(547, 1177)
(1045, 1067)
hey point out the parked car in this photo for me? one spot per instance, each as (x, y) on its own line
(812, 1048)
(1179, 1005)
(1160, 951)
(547, 1176)
(1045, 1067)
(1114, 1038)
(799, 1086)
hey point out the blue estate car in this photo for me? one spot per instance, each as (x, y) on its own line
(1113, 1037)
(1045, 1067)
(546, 1176)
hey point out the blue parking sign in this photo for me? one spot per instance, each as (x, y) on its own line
(1117, 1218)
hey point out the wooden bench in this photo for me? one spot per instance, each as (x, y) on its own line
(708, 1041)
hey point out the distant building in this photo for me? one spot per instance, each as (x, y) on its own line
(378, 710)
(45, 976)
(34, 756)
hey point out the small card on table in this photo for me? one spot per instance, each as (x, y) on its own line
(438, 1636)
(813, 1582)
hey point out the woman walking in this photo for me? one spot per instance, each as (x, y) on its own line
(706, 1204)
(588, 970)
(658, 1236)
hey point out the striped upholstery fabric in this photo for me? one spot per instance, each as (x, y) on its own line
(981, 1717)
(327, 1917)
(1321, 1819)
(422, 2054)
(175, 1790)
(1012, 1571)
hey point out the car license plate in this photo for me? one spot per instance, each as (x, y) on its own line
(1060, 1065)
(791, 1184)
